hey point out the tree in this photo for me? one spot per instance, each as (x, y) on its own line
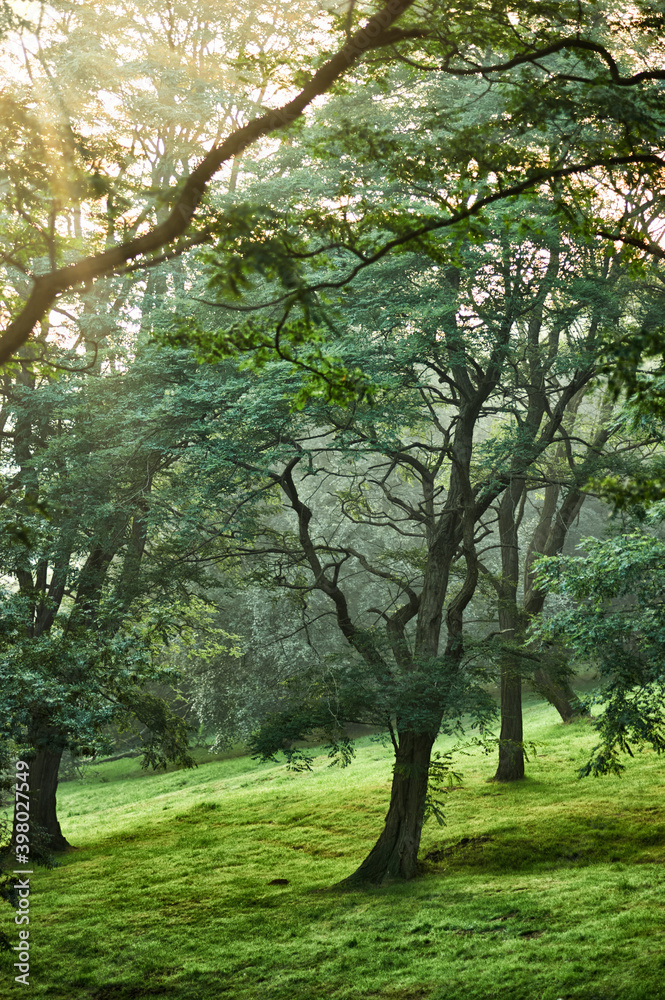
(564, 478)
(371, 188)
(612, 617)
(91, 552)
(636, 373)
(471, 369)
(101, 114)
(418, 196)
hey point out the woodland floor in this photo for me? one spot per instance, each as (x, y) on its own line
(215, 883)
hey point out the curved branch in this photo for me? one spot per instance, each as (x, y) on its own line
(581, 44)
(376, 33)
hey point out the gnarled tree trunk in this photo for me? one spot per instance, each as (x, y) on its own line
(558, 692)
(395, 854)
(43, 764)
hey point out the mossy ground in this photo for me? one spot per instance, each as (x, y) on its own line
(552, 888)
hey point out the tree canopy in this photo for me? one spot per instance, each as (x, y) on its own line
(566, 98)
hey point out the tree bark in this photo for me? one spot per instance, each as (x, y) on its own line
(43, 763)
(511, 751)
(558, 692)
(395, 854)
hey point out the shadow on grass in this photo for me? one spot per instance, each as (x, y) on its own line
(556, 841)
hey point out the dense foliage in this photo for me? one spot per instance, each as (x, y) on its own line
(613, 617)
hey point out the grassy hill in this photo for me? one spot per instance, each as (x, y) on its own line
(549, 889)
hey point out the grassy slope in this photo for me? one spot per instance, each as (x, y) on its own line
(549, 889)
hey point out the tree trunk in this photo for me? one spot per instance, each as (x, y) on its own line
(43, 763)
(548, 539)
(558, 692)
(511, 751)
(395, 854)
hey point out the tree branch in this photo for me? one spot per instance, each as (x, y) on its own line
(46, 289)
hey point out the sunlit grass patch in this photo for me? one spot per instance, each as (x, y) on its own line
(221, 887)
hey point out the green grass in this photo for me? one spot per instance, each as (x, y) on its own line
(549, 889)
